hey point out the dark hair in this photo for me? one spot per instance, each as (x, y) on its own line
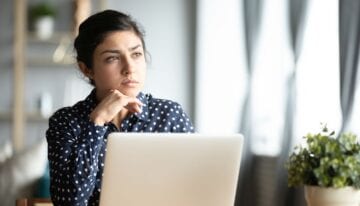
(94, 29)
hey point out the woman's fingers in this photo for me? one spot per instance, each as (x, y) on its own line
(112, 104)
(134, 107)
(132, 104)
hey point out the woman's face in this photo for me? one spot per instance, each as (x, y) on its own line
(119, 63)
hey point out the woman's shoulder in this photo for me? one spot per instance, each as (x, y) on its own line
(80, 109)
(71, 112)
(62, 111)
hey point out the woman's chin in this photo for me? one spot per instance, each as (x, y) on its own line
(130, 92)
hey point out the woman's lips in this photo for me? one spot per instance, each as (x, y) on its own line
(130, 83)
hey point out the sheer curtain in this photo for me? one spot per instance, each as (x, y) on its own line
(296, 13)
(274, 72)
(220, 66)
(317, 72)
(272, 67)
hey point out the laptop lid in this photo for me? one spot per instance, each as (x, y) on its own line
(171, 169)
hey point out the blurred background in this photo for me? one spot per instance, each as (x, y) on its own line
(272, 70)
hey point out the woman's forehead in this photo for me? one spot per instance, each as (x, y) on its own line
(124, 40)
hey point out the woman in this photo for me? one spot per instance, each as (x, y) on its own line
(111, 53)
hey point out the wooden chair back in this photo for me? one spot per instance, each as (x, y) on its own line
(34, 202)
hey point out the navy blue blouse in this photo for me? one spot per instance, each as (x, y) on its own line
(76, 146)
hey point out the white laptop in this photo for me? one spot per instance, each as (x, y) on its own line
(171, 169)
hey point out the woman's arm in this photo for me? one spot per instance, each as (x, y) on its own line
(74, 146)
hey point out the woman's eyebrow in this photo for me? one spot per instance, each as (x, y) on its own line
(134, 47)
(111, 51)
(118, 51)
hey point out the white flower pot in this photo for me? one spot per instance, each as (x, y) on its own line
(44, 27)
(321, 196)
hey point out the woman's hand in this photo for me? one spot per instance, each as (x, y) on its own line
(111, 105)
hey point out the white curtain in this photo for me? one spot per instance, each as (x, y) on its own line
(317, 74)
(221, 73)
(289, 90)
(272, 67)
(220, 66)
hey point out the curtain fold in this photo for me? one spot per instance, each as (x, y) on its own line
(296, 13)
(251, 11)
(349, 39)
(252, 15)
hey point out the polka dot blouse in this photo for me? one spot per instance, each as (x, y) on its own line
(76, 146)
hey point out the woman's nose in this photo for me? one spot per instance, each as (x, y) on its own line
(128, 66)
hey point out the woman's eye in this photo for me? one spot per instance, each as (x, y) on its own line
(137, 54)
(111, 59)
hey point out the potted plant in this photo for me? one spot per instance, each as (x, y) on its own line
(42, 18)
(328, 167)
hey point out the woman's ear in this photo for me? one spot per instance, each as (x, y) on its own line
(85, 70)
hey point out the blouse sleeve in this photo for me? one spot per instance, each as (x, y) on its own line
(73, 153)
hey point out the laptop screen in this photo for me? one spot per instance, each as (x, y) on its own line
(169, 169)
